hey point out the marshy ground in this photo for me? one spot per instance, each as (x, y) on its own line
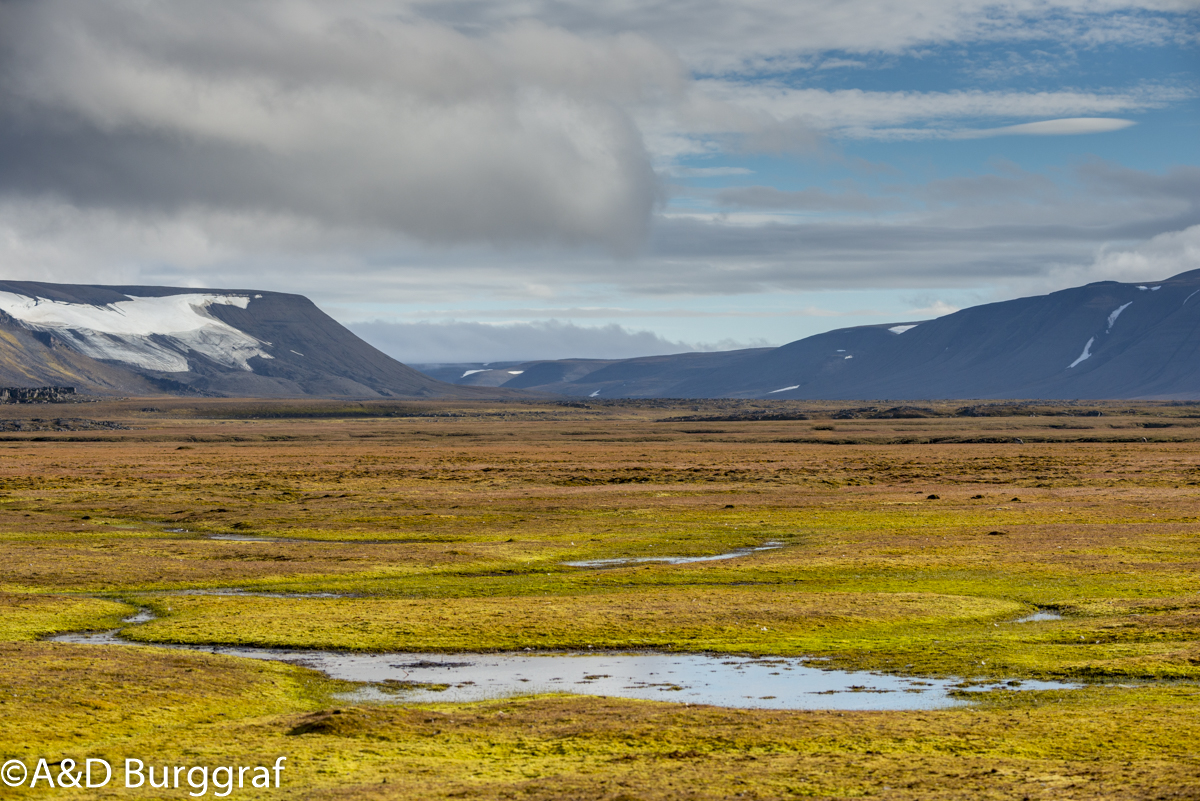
(912, 540)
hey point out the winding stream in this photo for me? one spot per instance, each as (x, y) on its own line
(674, 560)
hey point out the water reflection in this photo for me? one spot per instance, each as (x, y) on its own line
(720, 680)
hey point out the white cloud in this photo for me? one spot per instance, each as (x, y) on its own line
(817, 311)
(1063, 127)
(1157, 258)
(737, 107)
(722, 37)
(936, 309)
(457, 341)
(841, 63)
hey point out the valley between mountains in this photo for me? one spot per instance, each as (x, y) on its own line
(913, 547)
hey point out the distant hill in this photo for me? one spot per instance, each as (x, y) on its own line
(1103, 340)
(136, 340)
(644, 377)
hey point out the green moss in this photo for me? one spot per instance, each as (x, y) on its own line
(1099, 742)
(28, 617)
(914, 633)
(451, 526)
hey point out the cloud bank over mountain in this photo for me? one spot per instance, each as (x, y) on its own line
(452, 341)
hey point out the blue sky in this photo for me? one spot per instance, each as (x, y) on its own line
(544, 179)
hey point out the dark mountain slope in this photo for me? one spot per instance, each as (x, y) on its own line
(208, 341)
(1103, 340)
(824, 359)
(1139, 341)
(645, 377)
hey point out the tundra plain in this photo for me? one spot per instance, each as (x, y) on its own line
(912, 541)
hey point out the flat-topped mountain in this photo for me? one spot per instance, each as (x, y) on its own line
(148, 340)
(1102, 340)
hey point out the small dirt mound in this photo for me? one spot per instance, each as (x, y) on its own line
(334, 721)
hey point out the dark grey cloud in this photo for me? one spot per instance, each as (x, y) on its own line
(965, 239)
(515, 137)
(1008, 184)
(1005, 226)
(1181, 182)
(1089, 186)
(806, 243)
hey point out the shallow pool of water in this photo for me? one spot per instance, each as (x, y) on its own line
(720, 680)
(244, 538)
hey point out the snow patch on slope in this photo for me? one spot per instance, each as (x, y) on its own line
(785, 389)
(900, 329)
(1112, 318)
(151, 333)
(1087, 353)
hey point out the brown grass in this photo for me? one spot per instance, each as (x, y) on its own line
(448, 523)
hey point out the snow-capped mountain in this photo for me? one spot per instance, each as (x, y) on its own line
(139, 340)
(1102, 340)
(151, 333)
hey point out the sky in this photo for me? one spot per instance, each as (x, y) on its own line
(470, 181)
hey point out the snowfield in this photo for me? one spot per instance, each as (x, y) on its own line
(151, 333)
(1087, 353)
(1112, 318)
(900, 329)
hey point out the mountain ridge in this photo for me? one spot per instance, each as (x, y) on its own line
(133, 340)
(1106, 339)
(1102, 340)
